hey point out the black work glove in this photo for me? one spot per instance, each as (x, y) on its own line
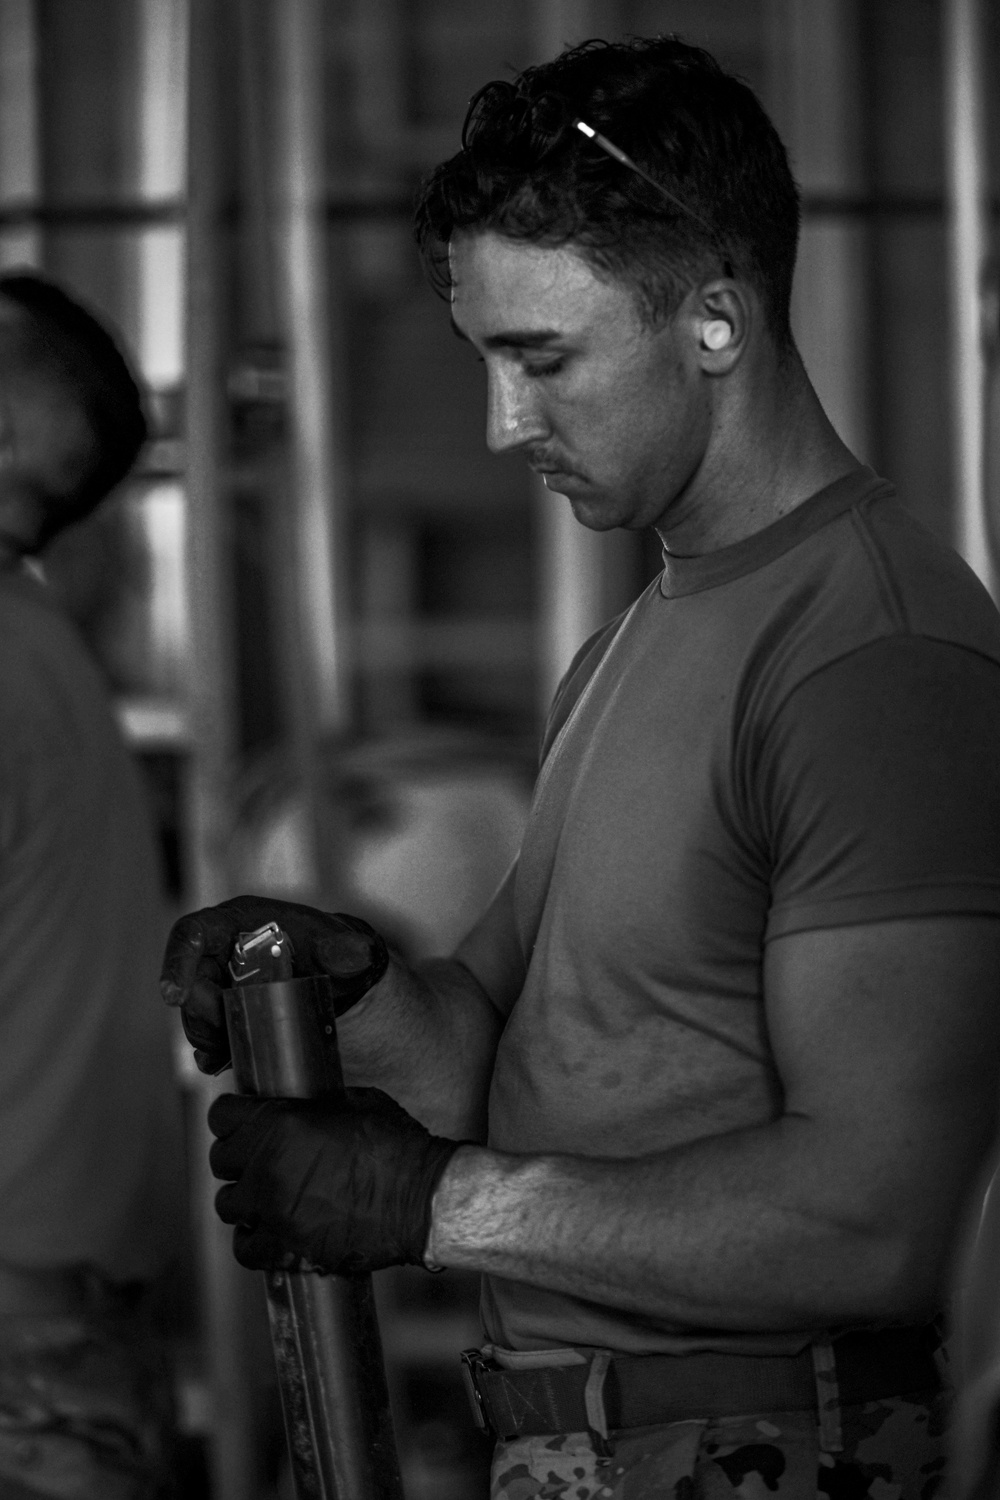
(338, 1184)
(200, 945)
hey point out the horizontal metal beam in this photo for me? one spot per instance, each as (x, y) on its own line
(150, 213)
(99, 214)
(142, 213)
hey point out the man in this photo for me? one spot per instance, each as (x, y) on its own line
(729, 1027)
(90, 1162)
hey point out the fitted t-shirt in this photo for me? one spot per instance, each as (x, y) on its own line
(794, 732)
(90, 1164)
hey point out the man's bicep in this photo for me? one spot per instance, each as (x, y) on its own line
(878, 789)
(886, 1037)
(492, 950)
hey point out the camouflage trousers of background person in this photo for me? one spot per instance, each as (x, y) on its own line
(86, 1408)
(892, 1449)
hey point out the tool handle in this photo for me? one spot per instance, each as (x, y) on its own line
(324, 1329)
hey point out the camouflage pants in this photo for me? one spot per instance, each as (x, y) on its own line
(86, 1409)
(892, 1450)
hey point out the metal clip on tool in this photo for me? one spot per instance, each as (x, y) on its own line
(283, 1038)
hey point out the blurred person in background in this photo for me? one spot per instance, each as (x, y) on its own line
(90, 1169)
(705, 1091)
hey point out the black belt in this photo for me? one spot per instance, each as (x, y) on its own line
(652, 1389)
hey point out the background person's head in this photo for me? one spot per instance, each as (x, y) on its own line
(526, 173)
(71, 414)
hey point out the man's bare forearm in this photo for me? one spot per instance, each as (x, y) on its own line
(428, 1037)
(759, 1229)
(841, 1209)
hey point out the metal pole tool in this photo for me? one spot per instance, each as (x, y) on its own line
(283, 1038)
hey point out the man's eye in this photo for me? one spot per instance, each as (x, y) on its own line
(552, 367)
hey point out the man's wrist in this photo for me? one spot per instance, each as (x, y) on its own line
(467, 1209)
(354, 1022)
(451, 1192)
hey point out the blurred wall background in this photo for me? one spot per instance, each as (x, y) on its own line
(331, 620)
(443, 559)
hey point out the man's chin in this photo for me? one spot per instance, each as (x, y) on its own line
(594, 512)
(591, 507)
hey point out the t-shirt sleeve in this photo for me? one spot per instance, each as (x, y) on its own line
(879, 788)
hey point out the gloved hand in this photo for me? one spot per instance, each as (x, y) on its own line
(336, 1184)
(200, 945)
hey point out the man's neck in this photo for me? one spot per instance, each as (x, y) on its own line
(773, 446)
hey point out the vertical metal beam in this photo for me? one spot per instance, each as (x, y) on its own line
(381, 253)
(316, 421)
(966, 186)
(161, 165)
(211, 689)
(571, 557)
(320, 676)
(20, 165)
(815, 65)
(259, 313)
(211, 702)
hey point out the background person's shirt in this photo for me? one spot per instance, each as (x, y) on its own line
(90, 1166)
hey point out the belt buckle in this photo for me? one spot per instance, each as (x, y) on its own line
(472, 1363)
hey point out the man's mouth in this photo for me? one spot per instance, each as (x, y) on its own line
(550, 468)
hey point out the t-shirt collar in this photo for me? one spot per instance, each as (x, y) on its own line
(689, 575)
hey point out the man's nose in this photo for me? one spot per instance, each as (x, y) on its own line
(513, 414)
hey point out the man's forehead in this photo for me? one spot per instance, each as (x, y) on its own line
(496, 258)
(499, 284)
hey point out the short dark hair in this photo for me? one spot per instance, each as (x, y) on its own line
(77, 349)
(525, 172)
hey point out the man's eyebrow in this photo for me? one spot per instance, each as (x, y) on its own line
(515, 338)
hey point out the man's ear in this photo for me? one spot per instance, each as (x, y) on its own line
(721, 316)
